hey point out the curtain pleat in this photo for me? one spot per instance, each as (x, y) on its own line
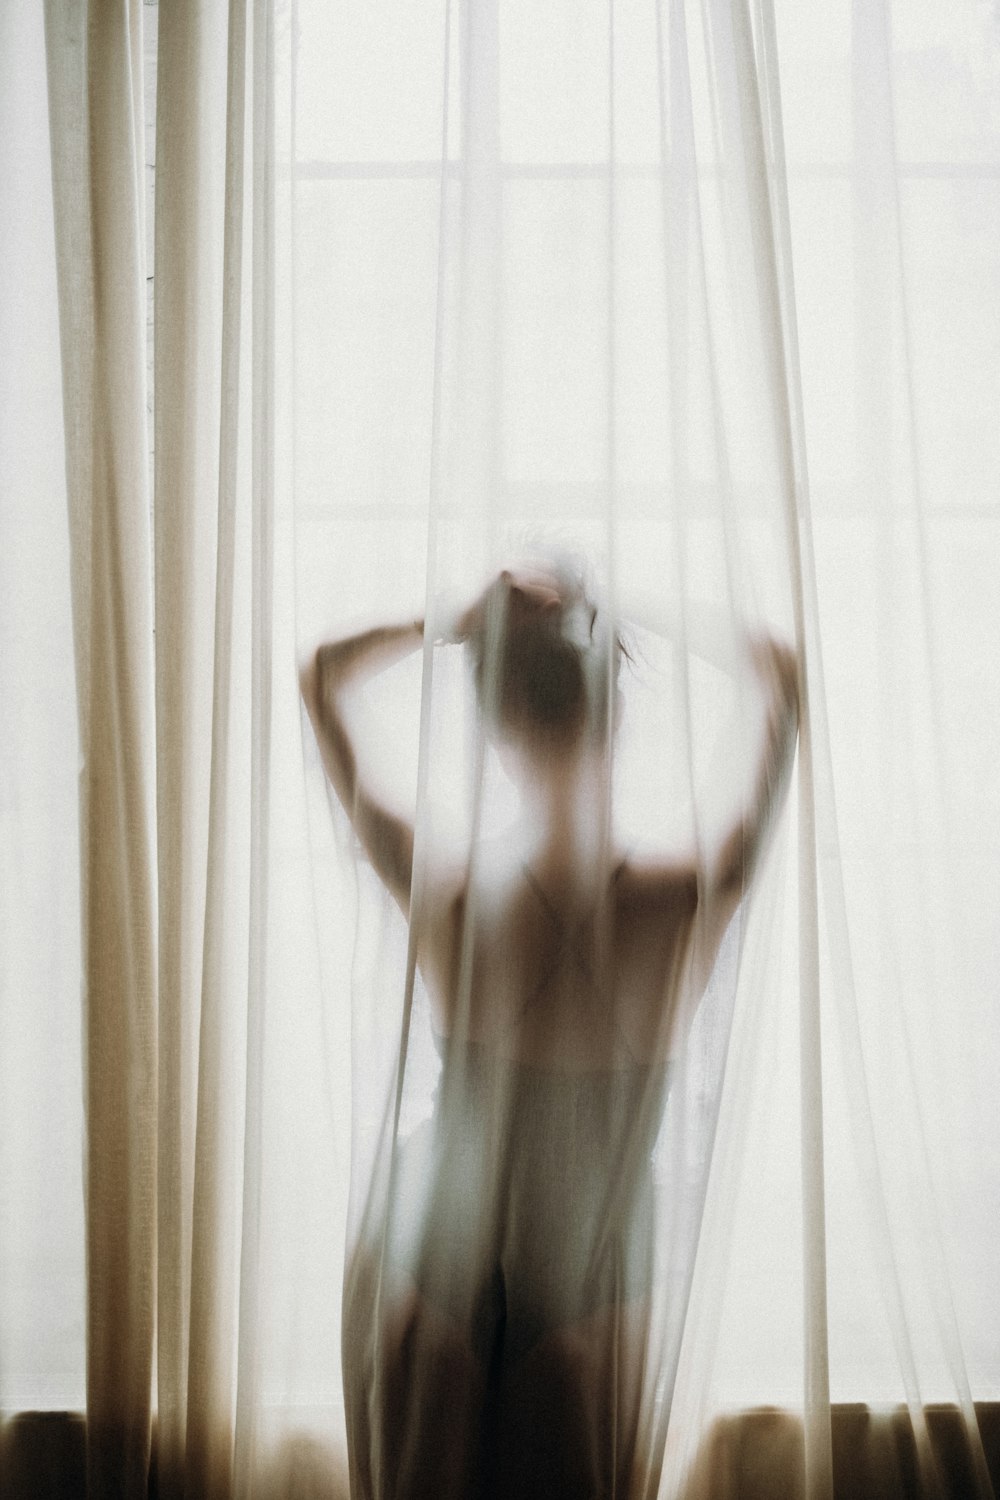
(214, 560)
(262, 625)
(95, 83)
(195, 1334)
(757, 88)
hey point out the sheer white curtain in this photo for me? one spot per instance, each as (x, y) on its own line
(705, 295)
(788, 329)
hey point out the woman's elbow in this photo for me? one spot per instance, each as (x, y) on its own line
(309, 677)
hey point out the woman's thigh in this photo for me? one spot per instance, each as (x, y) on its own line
(426, 1418)
(568, 1410)
(414, 1392)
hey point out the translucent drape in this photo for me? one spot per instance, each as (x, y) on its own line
(640, 262)
(572, 377)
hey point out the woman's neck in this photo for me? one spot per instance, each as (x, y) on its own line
(567, 834)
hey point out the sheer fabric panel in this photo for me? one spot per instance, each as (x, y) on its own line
(791, 261)
(558, 416)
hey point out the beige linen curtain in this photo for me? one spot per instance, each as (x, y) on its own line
(704, 295)
(96, 125)
(169, 885)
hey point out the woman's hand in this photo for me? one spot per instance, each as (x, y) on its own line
(452, 619)
(324, 676)
(524, 592)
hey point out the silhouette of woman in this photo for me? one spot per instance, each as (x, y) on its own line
(495, 1336)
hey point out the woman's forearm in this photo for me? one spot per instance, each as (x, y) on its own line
(776, 666)
(356, 657)
(325, 674)
(337, 665)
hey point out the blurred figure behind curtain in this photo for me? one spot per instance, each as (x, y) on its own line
(496, 1319)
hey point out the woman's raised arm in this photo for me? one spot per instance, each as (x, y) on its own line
(776, 667)
(728, 875)
(324, 677)
(701, 896)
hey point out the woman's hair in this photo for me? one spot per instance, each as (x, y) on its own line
(543, 662)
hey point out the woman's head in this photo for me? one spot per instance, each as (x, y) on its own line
(545, 668)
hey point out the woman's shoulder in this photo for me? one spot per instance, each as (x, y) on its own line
(635, 882)
(658, 886)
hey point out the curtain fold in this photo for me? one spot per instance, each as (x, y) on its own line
(196, 1100)
(95, 81)
(213, 559)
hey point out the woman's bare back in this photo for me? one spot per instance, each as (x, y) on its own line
(584, 979)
